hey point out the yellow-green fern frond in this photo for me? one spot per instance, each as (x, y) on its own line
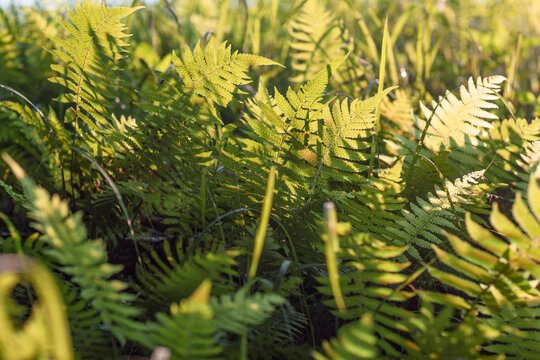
(89, 52)
(315, 40)
(426, 220)
(367, 267)
(346, 134)
(216, 72)
(498, 274)
(399, 111)
(83, 260)
(454, 121)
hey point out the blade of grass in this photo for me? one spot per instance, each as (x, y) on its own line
(382, 72)
(331, 241)
(263, 224)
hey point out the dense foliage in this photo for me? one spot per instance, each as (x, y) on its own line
(269, 179)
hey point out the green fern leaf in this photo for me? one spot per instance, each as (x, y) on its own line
(189, 331)
(314, 40)
(345, 125)
(89, 53)
(215, 72)
(238, 313)
(454, 120)
(85, 261)
(355, 340)
(424, 224)
(496, 276)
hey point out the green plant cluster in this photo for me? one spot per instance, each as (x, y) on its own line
(271, 179)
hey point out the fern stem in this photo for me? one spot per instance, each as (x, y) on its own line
(265, 216)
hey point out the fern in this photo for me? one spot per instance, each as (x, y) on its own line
(355, 341)
(423, 224)
(89, 52)
(189, 331)
(237, 314)
(215, 73)
(369, 263)
(170, 280)
(452, 121)
(84, 261)
(496, 276)
(343, 149)
(314, 40)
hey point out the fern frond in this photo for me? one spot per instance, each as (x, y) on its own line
(90, 339)
(399, 111)
(190, 330)
(497, 275)
(454, 120)
(239, 312)
(85, 261)
(94, 43)
(355, 340)
(171, 280)
(216, 72)
(315, 40)
(345, 127)
(424, 223)
(513, 150)
(446, 339)
(367, 269)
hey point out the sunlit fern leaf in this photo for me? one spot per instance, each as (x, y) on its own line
(427, 219)
(215, 73)
(298, 112)
(497, 275)
(346, 135)
(355, 340)
(453, 119)
(530, 163)
(256, 119)
(120, 140)
(513, 148)
(293, 119)
(89, 52)
(314, 40)
(398, 111)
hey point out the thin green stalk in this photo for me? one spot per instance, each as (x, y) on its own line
(222, 20)
(331, 242)
(382, 72)
(513, 68)
(274, 9)
(265, 216)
